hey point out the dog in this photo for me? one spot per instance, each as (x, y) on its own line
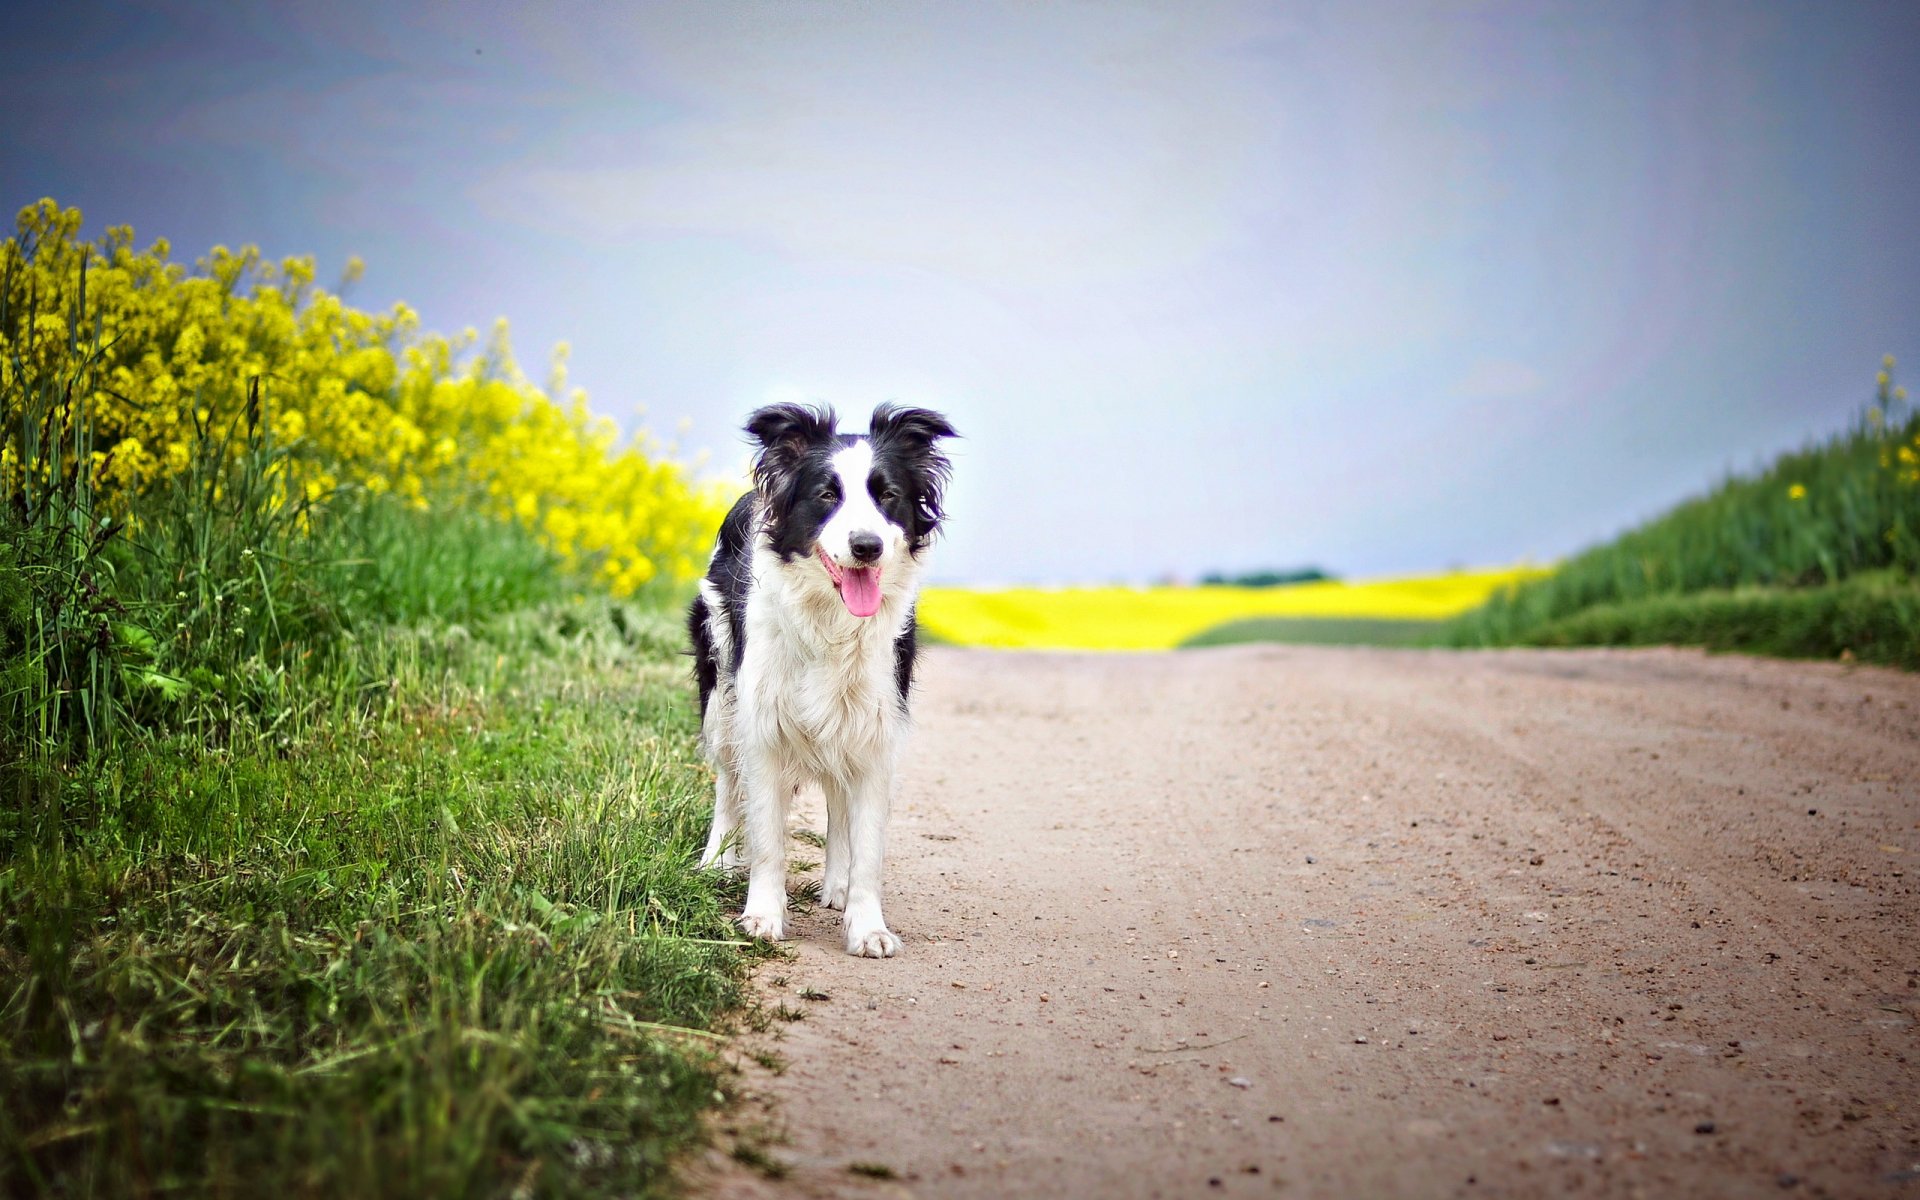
(804, 644)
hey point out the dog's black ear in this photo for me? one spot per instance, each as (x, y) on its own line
(911, 433)
(785, 433)
(913, 428)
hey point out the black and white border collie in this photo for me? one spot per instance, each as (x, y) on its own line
(803, 643)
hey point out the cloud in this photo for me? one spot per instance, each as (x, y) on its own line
(1497, 379)
(1082, 153)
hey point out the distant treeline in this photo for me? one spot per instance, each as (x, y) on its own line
(1266, 578)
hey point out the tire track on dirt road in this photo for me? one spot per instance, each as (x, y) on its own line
(1359, 922)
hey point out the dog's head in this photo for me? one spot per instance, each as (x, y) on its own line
(858, 505)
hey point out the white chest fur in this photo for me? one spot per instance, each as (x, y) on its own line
(817, 682)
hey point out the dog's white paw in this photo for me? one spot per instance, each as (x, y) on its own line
(771, 927)
(872, 943)
(834, 895)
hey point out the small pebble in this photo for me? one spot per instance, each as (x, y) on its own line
(1787, 1179)
(1241, 1081)
(1359, 1041)
(1309, 860)
(1704, 1127)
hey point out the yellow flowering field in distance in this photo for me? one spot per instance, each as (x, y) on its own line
(1161, 617)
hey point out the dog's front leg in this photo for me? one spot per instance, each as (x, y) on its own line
(723, 848)
(867, 800)
(833, 876)
(764, 821)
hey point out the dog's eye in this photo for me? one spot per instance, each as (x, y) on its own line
(828, 495)
(889, 495)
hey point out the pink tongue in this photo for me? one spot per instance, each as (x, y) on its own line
(860, 590)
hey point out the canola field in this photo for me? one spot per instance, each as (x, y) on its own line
(1162, 617)
(138, 363)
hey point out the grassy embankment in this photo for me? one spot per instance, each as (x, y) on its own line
(349, 818)
(1813, 556)
(1387, 611)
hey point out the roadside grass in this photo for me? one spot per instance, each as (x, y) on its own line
(1867, 618)
(1319, 631)
(347, 824)
(454, 948)
(1815, 554)
(1160, 618)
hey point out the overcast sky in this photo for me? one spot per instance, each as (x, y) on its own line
(1379, 287)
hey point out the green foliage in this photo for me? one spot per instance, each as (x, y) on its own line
(441, 951)
(57, 610)
(344, 848)
(1869, 618)
(1814, 519)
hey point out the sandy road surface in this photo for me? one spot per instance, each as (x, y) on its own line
(1324, 922)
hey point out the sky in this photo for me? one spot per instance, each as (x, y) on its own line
(1381, 287)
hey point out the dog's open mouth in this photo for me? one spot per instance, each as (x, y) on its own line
(859, 586)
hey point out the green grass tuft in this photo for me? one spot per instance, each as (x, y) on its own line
(751, 1152)
(1869, 618)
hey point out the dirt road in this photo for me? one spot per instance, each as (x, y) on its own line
(1328, 922)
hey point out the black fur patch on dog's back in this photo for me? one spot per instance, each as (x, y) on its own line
(706, 669)
(730, 573)
(905, 649)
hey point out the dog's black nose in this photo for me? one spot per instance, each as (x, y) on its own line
(865, 546)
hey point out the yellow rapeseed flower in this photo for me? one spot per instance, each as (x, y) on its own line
(358, 399)
(1797, 492)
